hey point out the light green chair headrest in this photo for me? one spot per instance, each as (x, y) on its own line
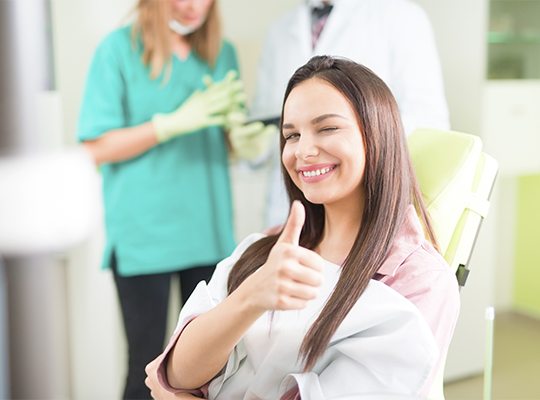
(452, 172)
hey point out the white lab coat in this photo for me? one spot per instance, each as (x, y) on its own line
(384, 348)
(394, 38)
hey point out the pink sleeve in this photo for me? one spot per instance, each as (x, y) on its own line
(162, 368)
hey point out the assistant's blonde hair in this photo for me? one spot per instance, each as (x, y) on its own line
(153, 25)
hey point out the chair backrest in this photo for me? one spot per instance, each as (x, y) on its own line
(456, 179)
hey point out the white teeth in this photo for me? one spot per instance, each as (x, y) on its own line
(317, 172)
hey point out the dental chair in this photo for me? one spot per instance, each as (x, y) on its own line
(456, 179)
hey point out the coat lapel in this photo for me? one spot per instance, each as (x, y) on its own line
(300, 30)
(338, 21)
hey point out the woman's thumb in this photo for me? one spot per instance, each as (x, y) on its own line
(293, 226)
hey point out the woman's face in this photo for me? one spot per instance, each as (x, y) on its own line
(324, 150)
(190, 13)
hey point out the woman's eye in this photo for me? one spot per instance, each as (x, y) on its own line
(329, 129)
(291, 136)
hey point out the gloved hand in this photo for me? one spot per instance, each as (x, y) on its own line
(202, 109)
(250, 141)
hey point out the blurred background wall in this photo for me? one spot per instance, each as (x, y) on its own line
(78, 300)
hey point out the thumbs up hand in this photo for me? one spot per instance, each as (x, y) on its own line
(291, 275)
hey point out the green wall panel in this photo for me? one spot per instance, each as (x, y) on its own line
(527, 256)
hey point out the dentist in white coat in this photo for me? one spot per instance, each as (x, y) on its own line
(393, 38)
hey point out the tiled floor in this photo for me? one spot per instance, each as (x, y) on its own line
(516, 363)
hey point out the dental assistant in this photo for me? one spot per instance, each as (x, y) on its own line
(393, 38)
(156, 129)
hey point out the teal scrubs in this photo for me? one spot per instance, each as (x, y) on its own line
(169, 208)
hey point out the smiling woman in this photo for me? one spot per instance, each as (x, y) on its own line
(324, 150)
(351, 299)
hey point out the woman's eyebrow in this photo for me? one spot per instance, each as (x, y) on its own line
(320, 118)
(288, 126)
(315, 120)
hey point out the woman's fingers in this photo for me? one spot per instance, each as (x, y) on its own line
(298, 290)
(310, 259)
(299, 272)
(291, 303)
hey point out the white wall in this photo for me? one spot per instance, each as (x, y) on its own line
(460, 31)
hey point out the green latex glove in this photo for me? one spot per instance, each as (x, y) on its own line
(239, 97)
(250, 141)
(202, 109)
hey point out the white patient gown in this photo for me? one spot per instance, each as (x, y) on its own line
(383, 349)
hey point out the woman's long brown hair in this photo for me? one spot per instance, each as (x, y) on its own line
(389, 185)
(152, 25)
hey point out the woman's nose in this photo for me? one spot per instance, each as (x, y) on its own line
(306, 147)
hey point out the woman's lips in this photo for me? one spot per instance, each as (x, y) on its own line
(316, 173)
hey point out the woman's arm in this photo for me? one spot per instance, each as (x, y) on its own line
(157, 392)
(287, 281)
(122, 144)
(203, 348)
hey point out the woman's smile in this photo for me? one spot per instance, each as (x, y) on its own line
(316, 173)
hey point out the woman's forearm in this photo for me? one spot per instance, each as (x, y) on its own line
(204, 346)
(288, 280)
(122, 144)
